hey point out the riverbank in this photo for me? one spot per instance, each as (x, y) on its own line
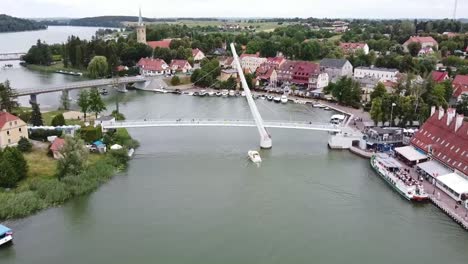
(42, 189)
(54, 68)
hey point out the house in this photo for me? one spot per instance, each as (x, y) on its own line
(439, 77)
(336, 68)
(219, 52)
(285, 71)
(383, 74)
(460, 87)
(268, 74)
(228, 73)
(302, 72)
(56, 147)
(180, 66)
(367, 84)
(274, 62)
(251, 62)
(197, 55)
(318, 81)
(444, 136)
(12, 129)
(351, 48)
(226, 62)
(424, 41)
(165, 43)
(425, 51)
(153, 67)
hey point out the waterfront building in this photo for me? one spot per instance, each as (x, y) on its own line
(141, 30)
(251, 62)
(12, 129)
(426, 42)
(180, 66)
(153, 67)
(349, 48)
(197, 55)
(336, 68)
(383, 74)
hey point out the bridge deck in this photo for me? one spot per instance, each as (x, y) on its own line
(80, 85)
(222, 123)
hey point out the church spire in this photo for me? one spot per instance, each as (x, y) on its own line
(140, 19)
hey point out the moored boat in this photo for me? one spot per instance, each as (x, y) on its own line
(391, 171)
(6, 235)
(270, 98)
(284, 99)
(219, 94)
(225, 93)
(160, 91)
(232, 93)
(277, 99)
(254, 156)
(243, 94)
(211, 93)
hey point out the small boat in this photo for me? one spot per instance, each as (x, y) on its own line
(6, 235)
(219, 94)
(203, 93)
(232, 93)
(225, 93)
(319, 106)
(104, 91)
(211, 93)
(284, 99)
(391, 171)
(177, 91)
(270, 98)
(263, 97)
(196, 93)
(327, 108)
(254, 156)
(255, 96)
(277, 99)
(159, 91)
(243, 94)
(186, 93)
(238, 94)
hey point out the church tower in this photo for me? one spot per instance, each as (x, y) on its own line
(141, 30)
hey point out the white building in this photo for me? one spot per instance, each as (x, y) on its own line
(251, 62)
(383, 74)
(318, 81)
(197, 55)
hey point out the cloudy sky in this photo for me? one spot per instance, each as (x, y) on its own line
(237, 8)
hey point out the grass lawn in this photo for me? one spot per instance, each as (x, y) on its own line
(260, 26)
(54, 68)
(336, 37)
(184, 79)
(40, 165)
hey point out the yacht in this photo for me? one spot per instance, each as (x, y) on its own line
(232, 93)
(254, 156)
(159, 91)
(203, 93)
(6, 235)
(327, 108)
(211, 93)
(277, 99)
(218, 94)
(243, 94)
(225, 93)
(284, 99)
(269, 98)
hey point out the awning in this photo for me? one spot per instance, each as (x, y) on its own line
(454, 182)
(411, 153)
(434, 168)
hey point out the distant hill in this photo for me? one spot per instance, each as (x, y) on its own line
(100, 21)
(11, 24)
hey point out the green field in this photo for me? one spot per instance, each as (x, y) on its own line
(260, 26)
(53, 68)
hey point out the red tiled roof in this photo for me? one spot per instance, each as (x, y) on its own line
(165, 43)
(152, 64)
(352, 46)
(180, 64)
(195, 52)
(6, 117)
(276, 60)
(421, 40)
(460, 85)
(58, 144)
(439, 77)
(448, 146)
(256, 55)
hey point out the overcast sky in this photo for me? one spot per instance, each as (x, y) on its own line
(237, 8)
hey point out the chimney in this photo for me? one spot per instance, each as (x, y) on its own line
(459, 122)
(441, 112)
(433, 108)
(450, 115)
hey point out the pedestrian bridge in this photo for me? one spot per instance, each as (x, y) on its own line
(80, 85)
(222, 123)
(11, 56)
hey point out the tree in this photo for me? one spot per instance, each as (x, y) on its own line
(98, 67)
(58, 120)
(96, 104)
(36, 116)
(414, 48)
(462, 105)
(65, 101)
(7, 96)
(379, 91)
(175, 80)
(83, 102)
(376, 110)
(13, 167)
(74, 157)
(24, 145)
(346, 91)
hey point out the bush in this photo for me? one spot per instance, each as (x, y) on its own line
(13, 167)
(14, 205)
(119, 158)
(90, 134)
(118, 116)
(58, 120)
(41, 134)
(24, 145)
(175, 80)
(52, 191)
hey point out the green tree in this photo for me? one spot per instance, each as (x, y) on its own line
(376, 110)
(462, 105)
(13, 167)
(175, 80)
(379, 91)
(36, 116)
(414, 48)
(7, 96)
(346, 91)
(24, 145)
(96, 104)
(58, 120)
(74, 157)
(84, 102)
(98, 67)
(65, 101)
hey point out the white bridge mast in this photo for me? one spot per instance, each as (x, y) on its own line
(265, 138)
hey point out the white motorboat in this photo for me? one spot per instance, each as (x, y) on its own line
(232, 93)
(277, 99)
(225, 93)
(243, 94)
(327, 108)
(319, 106)
(254, 156)
(6, 234)
(159, 91)
(269, 98)
(284, 99)
(219, 94)
(211, 93)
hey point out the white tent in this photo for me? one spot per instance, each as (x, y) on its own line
(411, 153)
(116, 147)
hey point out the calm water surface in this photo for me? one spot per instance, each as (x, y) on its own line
(191, 196)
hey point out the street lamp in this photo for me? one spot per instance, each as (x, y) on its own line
(391, 114)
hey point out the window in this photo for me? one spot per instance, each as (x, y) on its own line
(20, 129)
(16, 123)
(8, 132)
